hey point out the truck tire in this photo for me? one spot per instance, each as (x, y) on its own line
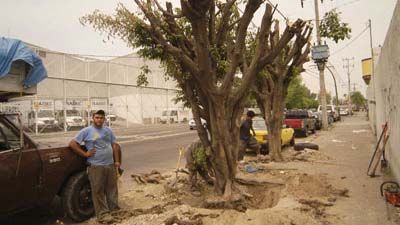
(302, 146)
(77, 198)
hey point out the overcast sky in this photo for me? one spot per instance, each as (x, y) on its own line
(54, 24)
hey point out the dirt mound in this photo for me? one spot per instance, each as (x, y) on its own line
(306, 155)
(303, 186)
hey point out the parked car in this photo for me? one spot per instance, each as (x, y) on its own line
(45, 119)
(331, 110)
(287, 135)
(174, 116)
(302, 121)
(192, 124)
(73, 119)
(318, 119)
(343, 111)
(33, 173)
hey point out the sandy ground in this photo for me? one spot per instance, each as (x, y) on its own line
(329, 186)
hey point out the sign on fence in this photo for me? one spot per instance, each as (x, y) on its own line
(43, 104)
(97, 104)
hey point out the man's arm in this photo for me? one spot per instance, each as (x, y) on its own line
(117, 154)
(78, 150)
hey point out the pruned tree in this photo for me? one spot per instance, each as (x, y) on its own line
(202, 45)
(272, 86)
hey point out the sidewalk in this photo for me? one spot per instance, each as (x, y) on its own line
(350, 144)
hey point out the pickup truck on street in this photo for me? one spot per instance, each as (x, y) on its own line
(302, 121)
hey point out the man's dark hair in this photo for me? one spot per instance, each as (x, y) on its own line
(250, 114)
(100, 112)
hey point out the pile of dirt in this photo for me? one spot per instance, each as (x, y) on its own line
(270, 196)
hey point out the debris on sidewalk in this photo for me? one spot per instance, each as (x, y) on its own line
(360, 131)
(302, 146)
(153, 177)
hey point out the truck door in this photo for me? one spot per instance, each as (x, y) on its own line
(18, 184)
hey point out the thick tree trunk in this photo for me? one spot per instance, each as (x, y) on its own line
(225, 146)
(274, 120)
(274, 138)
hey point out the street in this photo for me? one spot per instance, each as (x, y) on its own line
(160, 152)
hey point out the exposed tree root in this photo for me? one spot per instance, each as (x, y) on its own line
(154, 177)
(256, 182)
(175, 220)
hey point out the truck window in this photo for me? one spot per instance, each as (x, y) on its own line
(8, 139)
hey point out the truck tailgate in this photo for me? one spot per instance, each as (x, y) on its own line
(294, 123)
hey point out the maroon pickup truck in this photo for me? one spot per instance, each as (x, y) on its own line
(32, 174)
(302, 121)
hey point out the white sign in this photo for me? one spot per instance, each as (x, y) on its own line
(10, 107)
(43, 104)
(97, 104)
(74, 104)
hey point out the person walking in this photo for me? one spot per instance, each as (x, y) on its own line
(104, 160)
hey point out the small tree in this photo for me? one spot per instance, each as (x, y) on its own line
(202, 45)
(299, 96)
(271, 90)
(358, 99)
(332, 28)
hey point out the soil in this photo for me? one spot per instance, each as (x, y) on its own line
(309, 187)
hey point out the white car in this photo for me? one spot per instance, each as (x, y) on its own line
(344, 112)
(192, 124)
(75, 121)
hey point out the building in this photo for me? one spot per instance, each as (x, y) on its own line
(85, 84)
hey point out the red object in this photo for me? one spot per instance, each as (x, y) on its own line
(294, 123)
(393, 198)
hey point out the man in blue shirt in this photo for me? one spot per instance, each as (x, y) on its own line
(104, 159)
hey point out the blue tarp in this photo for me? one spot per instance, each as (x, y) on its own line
(12, 50)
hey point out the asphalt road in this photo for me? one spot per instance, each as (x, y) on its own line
(159, 153)
(144, 148)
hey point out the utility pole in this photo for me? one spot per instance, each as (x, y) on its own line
(347, 65)
(321, 67)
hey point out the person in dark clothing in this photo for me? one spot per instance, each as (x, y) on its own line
(247, 140)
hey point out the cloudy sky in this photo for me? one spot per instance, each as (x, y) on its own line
(54, 24)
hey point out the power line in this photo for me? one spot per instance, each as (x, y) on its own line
(346, 4)
(285, 17)
(353, 40)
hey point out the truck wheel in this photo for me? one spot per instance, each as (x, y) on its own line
(77, 198)
(313, 130)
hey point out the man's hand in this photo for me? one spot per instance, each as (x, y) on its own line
(117, 164)
(90, 153)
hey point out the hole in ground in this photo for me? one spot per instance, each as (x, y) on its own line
(263, 196)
